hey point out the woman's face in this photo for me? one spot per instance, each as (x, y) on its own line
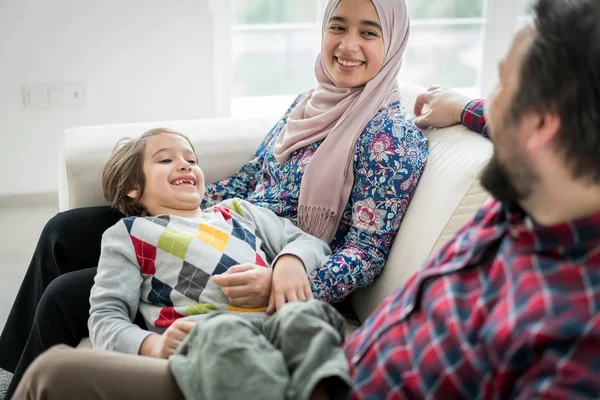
(353, 48)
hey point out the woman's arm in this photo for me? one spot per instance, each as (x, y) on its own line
(243, 182)
(388, 167)
(115, 296)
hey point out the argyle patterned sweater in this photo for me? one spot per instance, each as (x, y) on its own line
(162, 267)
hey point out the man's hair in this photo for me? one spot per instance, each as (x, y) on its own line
(124, 171)
(560, 74)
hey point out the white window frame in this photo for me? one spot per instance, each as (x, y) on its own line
(499, 22)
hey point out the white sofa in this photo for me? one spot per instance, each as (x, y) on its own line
(447, 195)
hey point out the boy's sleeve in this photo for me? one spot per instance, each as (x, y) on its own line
(115, 296)
(280, 236)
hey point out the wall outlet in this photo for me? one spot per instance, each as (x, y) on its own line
(54, 95)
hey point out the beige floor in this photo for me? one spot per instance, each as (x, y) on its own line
(21, 228)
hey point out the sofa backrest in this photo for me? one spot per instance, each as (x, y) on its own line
(222, 145)
(447, 195)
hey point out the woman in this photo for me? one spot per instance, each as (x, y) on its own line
(343, 163)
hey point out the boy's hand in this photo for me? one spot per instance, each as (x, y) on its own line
(162, 346)
(246, 285)
(290, 283)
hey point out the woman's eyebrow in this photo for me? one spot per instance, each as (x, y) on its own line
(338, 19)
(362, 22)
(371, 23)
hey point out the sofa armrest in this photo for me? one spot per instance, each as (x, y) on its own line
(222, 145)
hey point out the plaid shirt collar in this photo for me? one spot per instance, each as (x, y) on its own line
(569, 240)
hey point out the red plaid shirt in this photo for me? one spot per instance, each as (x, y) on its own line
(507, 309)
(473, 117)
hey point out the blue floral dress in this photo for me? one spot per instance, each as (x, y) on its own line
(389, 159)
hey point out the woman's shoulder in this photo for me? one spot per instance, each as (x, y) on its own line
(393, 121)
(297, 101)
(274, 132)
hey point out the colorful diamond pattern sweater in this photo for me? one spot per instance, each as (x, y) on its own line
(162, 267)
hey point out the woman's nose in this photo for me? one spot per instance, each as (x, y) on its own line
(349, 43)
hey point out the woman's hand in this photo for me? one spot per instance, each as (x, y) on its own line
(246, 285)
(162, 346)
(290, 283)
(439, 108)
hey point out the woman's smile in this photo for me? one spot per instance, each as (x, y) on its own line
(348, 64)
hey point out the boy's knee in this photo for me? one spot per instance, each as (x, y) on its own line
(304, 307)
(299, 313)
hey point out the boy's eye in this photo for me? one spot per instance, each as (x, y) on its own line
(165, 161)
(192, 161)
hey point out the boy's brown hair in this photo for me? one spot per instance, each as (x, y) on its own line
(124, 171)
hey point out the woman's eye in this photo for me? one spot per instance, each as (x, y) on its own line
(336, 29)
(165, 161)
(370, 33)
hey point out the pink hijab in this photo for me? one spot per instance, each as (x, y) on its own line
(339, 115)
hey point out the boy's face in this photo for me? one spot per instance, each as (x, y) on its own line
(174, 181)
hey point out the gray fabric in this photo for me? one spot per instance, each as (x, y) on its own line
(281, 357)
(280, 236)
(5, 378)
(120, 289)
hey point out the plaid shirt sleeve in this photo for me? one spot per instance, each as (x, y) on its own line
(473, 117)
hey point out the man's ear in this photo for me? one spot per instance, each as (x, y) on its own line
(134, 193)
(545, 130)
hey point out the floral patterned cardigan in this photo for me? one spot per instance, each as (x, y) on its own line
(389, 159)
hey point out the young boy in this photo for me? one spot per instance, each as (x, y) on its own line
(160, 259)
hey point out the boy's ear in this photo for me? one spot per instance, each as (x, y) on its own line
(134, 193)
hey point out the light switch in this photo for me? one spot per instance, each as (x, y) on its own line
(75, 95)
(54, 95)
(35, 96)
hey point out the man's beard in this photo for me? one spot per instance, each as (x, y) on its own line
(510, 186)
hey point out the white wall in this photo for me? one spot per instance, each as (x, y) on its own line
(140, 60)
